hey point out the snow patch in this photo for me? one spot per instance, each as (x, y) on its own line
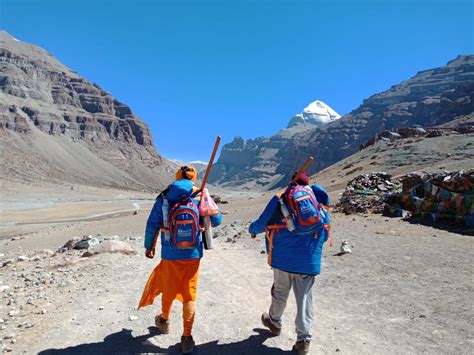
(316, 113)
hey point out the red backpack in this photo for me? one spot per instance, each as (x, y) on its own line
(183, 224)
(304, 209)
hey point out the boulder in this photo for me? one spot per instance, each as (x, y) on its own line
(111, 246)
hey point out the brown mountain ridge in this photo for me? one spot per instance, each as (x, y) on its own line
(56, 126)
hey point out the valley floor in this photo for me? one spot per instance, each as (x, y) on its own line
(406, 288)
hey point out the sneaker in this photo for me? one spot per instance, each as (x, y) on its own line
(187, 344)
(302, 347)
(266, 321)
(162, 324)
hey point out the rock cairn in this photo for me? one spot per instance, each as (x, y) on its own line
(365, 193)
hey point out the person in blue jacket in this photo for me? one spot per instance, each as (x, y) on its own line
(176, 275)
(296, 260)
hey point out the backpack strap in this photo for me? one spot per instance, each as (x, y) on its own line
(269, 234)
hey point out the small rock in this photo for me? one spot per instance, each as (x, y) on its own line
(111, 246)
(262, 252)
(101, 308)
(7, 262)
(3, 288)
(229, 239)
(132, 318)
(22, 258)
(9, 336)
(87, 243)
(13, 313)
(135, 213)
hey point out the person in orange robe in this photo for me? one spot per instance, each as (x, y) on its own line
(176, 276)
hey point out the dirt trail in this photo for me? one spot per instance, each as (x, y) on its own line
(405, 289)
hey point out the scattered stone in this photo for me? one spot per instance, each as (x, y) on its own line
(229, 240)
(13, 313)
(70, 244)
(263, 252)
(111, 246)
(22, 258)
(132, 318)
(101, 308)
(86, 242)
(9, 336)
(112, 237)
(218, 199)
(345, 248)
(3, 288)
(135, 213)
(7, 262)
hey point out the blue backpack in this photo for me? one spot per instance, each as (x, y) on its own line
(304, 209)
(183, 224)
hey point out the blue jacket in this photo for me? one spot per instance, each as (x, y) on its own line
(286, 250)
(155, 220)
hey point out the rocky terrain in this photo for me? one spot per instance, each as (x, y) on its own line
(57, 127)
(433, 97)
(446, 152)
(404, 289)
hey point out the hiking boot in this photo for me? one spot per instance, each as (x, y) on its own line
(187, 344)
(302, 347)
(162, 324)
(267, 322)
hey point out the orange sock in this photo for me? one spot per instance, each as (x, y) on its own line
(166, 307)
(189, 309)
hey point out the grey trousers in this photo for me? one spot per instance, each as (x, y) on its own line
(303, 289)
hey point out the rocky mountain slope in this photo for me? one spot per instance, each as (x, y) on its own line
(430, 98)
(56, 126)
(447, 152)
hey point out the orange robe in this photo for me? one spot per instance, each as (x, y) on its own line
(175, 279)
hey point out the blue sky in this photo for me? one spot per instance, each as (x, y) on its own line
(195, 69)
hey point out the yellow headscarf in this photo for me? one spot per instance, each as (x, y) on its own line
(186, 172)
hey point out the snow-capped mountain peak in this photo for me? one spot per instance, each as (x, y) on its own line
(316, 113)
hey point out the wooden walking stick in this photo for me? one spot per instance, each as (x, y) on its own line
(207, 219)
(209, 165)
(303, 169)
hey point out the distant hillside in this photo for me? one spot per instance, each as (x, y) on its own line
(432, 97)
(57, 127)
(448, 152)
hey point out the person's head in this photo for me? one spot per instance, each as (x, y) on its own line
(301, 178)
(186, 172)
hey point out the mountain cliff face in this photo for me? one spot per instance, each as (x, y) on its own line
(430, 98)
(55, 124)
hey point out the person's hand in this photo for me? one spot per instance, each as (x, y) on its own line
(150, 253)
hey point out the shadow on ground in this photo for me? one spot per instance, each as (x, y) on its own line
(124, 342)
(446, 225)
